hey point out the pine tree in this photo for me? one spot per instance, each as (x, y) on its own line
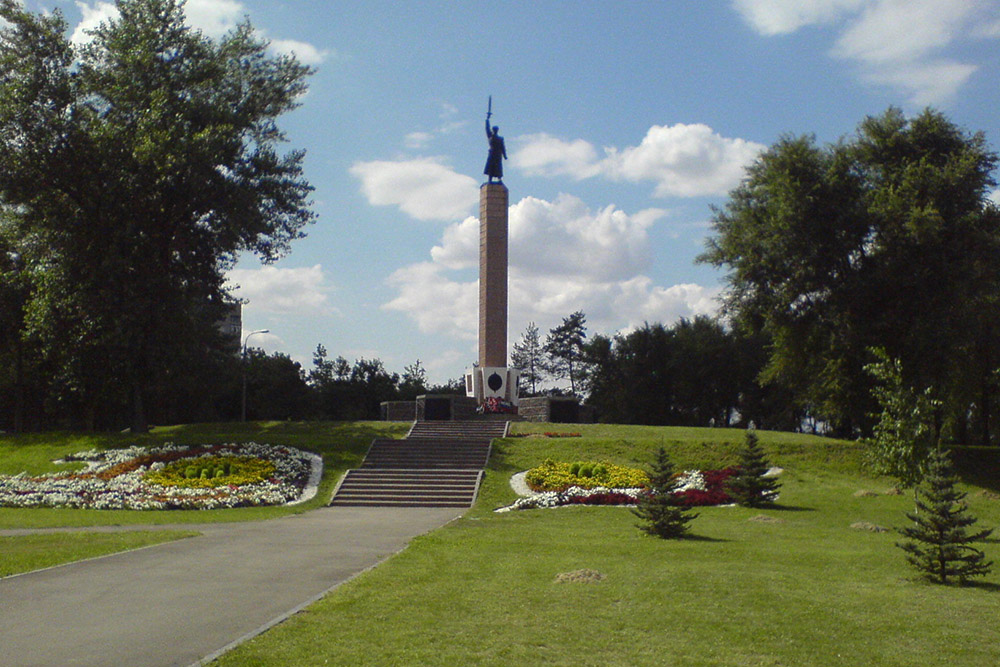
(529, 356)
(938, 544)
(749, 487)
(663, 512)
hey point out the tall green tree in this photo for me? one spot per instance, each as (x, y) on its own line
(883, 239)
(141, 165)
(564, 347)
(528, 356)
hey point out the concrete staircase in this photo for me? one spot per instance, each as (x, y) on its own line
(438, 464)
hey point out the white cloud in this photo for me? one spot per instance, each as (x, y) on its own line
(4, 23)
(423, 188)
(607, 244)
(94, 14)
(994, 197)
(305, 53)
(277, 291)
(563, 257)
(777, 17)
(437, 305)
(213, 17)
(896, 43)
(418, 140)
(421, 139)
(682, 160)
(545, 155)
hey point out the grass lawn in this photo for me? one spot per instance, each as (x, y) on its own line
(806, 588)
(25, 553)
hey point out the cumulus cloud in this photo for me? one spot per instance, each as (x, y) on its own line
(213, 17)
(777, 17)
(563, 257)
(423, 188)
(94, 14)
(607, 244)
(437, 304)
(281, 291)
(895, 43)
(681, 160)
(305, 53)
(994, 197)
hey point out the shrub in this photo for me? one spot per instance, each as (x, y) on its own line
(663, 513)
(938, 544)
(749, 487)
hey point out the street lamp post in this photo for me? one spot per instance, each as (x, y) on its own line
(17, 264)
(243, 411)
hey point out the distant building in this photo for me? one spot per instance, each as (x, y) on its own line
(231, 326)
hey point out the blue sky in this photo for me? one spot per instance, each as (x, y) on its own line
(624, 123)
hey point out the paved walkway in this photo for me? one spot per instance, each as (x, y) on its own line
(184, 601)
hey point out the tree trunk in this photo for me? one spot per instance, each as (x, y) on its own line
(139, 424)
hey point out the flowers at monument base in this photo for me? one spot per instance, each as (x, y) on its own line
(117, 479)
(496, 406)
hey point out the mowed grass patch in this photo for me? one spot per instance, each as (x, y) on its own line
(804, 588)
(341, 444)
(24, 553)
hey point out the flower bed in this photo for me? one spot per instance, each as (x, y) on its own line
(694, 488)
(117, 479)
(557, 476)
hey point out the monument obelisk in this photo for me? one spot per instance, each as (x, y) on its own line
(493, 275)
(491, 379)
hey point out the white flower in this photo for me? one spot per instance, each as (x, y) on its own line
(130, 491)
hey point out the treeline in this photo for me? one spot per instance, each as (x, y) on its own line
(692, 373)
(277, 388)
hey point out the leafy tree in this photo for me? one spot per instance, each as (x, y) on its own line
(140, 166)
(749, 487)
(276, 387)
(372, 384)
(663, 513)
(694, 373)
(883, 239)
(564, 347)
(413, 382)
(938, 544)
(904, 436)
(529, 357)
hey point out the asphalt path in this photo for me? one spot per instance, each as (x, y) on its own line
(185, 602)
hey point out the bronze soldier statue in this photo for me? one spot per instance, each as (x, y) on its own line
(498, 152)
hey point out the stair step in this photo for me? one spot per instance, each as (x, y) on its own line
(439, 464)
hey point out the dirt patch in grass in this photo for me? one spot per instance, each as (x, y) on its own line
(584, 576)
(869, 526)
(763, 518)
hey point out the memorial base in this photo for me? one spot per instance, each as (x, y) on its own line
(494, 388)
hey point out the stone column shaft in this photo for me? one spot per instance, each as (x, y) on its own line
(493, 275)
